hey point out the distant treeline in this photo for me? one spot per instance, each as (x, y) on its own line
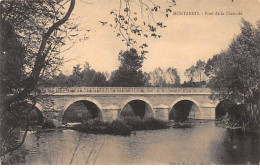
(129, 74)
(89, 77)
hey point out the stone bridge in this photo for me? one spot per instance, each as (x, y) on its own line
(109, 102)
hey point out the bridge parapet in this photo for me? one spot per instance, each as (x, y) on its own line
(123, 90)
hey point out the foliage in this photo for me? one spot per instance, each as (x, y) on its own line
(48, 124)
(122, 77)
(234, 73)
(58, 81)
(146, 124)
(196, 73)
(12, 59)
(129, 25)
(31, 33)
(117, 127)
(129, 73)
(162, 78)
(124, 127)
(79, 77)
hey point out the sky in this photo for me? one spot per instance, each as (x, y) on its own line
(185, 40)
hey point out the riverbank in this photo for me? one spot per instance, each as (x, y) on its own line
(247, 127)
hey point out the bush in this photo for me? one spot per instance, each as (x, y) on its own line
(146, 124)
(48, 124)
(119, 127)
(97, 127)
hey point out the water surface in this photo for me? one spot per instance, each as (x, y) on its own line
(205, 143)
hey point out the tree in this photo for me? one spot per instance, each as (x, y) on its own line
(200, 70)
(99, 80)
(37, 30)
(213, 65)
(157, 77)
(87, 76)
(129, 73)
(147, 78)
(79, 77)
(196, 74)
(235, 73)
(162, 78)
(172, 77)
(76, 77)
(12, 59)
(60, 80)
(190, 73)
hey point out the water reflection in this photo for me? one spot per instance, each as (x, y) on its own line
(237, 148)
(205, 143)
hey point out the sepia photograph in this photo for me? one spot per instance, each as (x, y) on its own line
(130, 82)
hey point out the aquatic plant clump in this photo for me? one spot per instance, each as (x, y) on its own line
(97, 127)
(146, 124)
(121, 127)
(48, 124)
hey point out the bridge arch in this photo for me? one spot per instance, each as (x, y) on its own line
(185, 98)
(39, 112)
(35, 113)
(143, 99)
(181, 99)
(223, 107)
(85, 99)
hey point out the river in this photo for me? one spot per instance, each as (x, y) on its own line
(204, 143)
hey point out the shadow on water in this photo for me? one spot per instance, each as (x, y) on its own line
(238, 148)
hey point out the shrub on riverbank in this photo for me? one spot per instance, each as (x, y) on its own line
(245, 124)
